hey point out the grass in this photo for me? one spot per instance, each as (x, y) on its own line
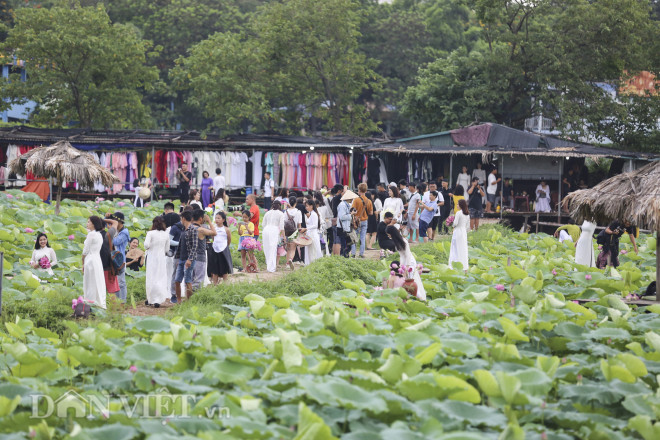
(322, 276)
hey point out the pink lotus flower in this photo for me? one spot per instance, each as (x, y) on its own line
(120, 204)
(576, 301)
(410, 269)
(587, 277)
(483, 312)
(392, 273)
(600, 247)
(71, 237)
(395, 266)
(132, 369)
(44, 262)
(160, 197)
(554, 272)
(499, 287)
(29, 230)
(624, 252)
(9, 196)
(445, 313)
(147, 205)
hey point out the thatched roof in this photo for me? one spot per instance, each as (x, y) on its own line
(63, 162)
(633, 196)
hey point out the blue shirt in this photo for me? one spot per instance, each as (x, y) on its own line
(344, 216)
(121, 240)
(427, 216)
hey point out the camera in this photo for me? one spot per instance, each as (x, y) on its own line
(234, 208)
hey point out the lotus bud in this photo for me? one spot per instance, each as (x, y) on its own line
(392, 273)
(587, 277)
(29, 230)
(554, 272)
(120, 204)
(71, 237)
(624, 252)
(499, 287)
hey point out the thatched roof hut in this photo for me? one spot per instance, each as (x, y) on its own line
(633, 196)
(64, 163)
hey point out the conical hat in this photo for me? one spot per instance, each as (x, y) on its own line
(349, 195)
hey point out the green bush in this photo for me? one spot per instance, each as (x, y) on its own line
(46, 307)
(323, 276)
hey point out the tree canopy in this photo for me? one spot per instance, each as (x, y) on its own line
(340, 66)
(80, 67)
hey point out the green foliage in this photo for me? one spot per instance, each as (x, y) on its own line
(546, 57)
(314, 67)
(329, 352)
(81, 67)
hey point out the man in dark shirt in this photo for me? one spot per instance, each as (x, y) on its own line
(384, 240)
(337, 191)
(475, 205)
(508, 194)
(171, 218)
(382, 192)
(186, 252)
(611, 242)
(206, 230)
(445, 209)
(184, 177)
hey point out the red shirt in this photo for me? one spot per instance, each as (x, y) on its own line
(254, 209)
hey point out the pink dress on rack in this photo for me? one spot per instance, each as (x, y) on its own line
(302, 161)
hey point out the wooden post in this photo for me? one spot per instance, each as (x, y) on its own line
(451, 170)
(153, 171)
(537, 222)
(657, 262)
(2, 262)
(561, 170)
(502, 190)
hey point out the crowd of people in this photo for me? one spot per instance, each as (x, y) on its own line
(186, 250)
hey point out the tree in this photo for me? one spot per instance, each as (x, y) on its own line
(300, 57)
(558, 58)
(80, 67)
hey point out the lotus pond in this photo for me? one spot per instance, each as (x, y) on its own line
(501, 352)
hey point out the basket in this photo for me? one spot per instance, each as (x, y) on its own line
(302, 240)
(144, 193)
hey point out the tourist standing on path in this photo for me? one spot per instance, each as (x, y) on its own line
(92, 267)
(313, 227)
(207, 189)
(184, 177)
(475, 205)
(457, 195)
(459, 241)
(374, 217)
(251, 201)
(584, 248)
(344, 217)
(413, 211)
(120, 242)
(491, 191)
(187, 252)
(440, 201)
(445, 207)
(293, 218)
(338, 241)
(43, 256)
(364, 209)
(463, 179)
(219, 255)
(221, 201)
(426, 217)
(273, 232)
(269, 191)
(394, 204)
(218, 182)
(194, 199)
(157, 243)
(245, 231)
(407, 259)
(480, 174)
(205, 229)
(176, 237)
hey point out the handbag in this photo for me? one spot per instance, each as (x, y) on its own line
(353, 237)
(302, 240)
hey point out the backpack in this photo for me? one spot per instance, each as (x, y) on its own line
(82, 310)
(289, 225)
(118, 261)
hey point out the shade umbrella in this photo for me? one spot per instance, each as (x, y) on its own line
(64, 163)
(633, 196)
